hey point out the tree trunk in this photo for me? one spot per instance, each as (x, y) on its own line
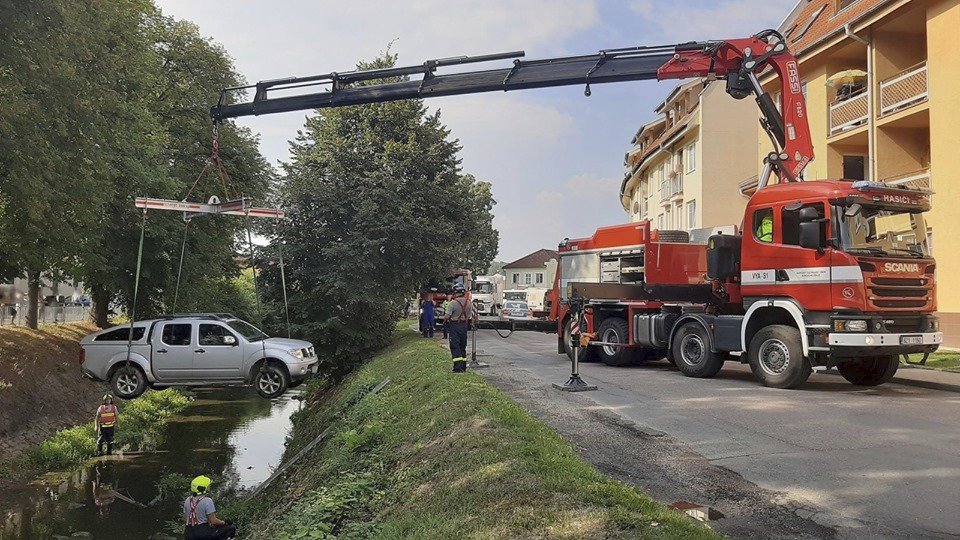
(33, 299)
(101, 306)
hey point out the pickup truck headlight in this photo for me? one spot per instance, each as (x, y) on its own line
(855, 325)
(296, 353)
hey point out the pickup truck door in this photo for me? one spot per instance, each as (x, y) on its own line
(219, 354)
(173, 351)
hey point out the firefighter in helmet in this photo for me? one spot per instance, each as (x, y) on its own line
(106, 423)
(200, 514)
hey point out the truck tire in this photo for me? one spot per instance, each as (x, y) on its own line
(692, 354)
(614, 330)
(128, 382)
(271, 381)
(776, 357)
(674, 237)
(869, 371)
(587, 354)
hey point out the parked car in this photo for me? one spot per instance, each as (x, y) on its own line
(195, 350)
(514, 310)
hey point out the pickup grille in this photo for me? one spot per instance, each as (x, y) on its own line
(900, 293)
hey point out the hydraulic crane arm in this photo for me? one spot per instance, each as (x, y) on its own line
(737, 61)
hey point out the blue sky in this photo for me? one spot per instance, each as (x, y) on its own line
(554, 157)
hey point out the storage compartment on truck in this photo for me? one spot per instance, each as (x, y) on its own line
(723, 256)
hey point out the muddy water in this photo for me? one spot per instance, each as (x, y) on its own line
(231, 435)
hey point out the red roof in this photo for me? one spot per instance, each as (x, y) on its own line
(537, 259)
(812, 21)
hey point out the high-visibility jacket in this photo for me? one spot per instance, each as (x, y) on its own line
(765, 229)
(107, 415)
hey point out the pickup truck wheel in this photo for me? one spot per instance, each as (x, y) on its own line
(692, 354)
(271, 381)
(587, 354)
(869, 371)
(128, 382)
(776, 357)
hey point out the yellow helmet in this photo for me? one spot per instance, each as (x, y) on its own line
(200, 484)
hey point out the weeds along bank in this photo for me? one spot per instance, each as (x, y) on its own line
(440, 455)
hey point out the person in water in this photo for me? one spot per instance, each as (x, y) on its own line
(200, 514)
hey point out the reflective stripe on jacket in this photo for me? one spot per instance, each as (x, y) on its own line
(107, 415)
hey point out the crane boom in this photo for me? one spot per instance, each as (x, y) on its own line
(738, 61)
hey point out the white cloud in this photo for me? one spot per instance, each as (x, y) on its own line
(723, 19)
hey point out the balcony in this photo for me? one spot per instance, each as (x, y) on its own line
(849, 112)
(671, 188)
(913, 180)
(903, 90)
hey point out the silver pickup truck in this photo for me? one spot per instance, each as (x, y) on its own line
(195, 350)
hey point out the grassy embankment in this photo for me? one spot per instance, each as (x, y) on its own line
(946, 360)
(441, 455)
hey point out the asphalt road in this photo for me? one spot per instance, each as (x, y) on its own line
(826, 460)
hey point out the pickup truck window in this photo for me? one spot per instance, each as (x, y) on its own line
(247, 330)
(176, 334)
(213, 334)
(121, 334)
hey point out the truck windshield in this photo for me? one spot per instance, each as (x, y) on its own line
(875, 230)
(247, 330)
(482, 287)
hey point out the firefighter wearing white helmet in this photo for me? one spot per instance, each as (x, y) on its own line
(200, 514)
(458, 315)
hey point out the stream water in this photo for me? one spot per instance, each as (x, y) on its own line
(231, 435)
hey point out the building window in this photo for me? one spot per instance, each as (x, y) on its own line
(516, 278)
(692, 214)
(854, 167)
(692, 157)
(844, 4)
(636, 209)
(660, 221)
(527, 279)
(668, 219)
(539, 278)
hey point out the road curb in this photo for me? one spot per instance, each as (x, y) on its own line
(932, 385)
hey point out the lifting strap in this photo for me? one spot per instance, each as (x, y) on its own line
(183, 248)
(283, 276)
(253, 268)
(136, 284)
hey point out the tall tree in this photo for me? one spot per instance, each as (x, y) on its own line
(378, 206)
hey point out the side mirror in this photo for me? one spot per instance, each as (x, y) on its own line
(813, 235)
(229, 340)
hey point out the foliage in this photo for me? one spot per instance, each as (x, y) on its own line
(378, 207)
(442, 455)
(140, 426)
(945, 360)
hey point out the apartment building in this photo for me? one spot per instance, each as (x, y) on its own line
(881, 80)
(685, 166)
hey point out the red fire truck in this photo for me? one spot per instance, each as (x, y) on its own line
(842, 278)
(825, 273)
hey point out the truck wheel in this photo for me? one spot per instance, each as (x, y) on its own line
(271, 381)
(869, 371)
(692, 354)
(776, 357)
(128, 382)
(587, 354)
(614, 330)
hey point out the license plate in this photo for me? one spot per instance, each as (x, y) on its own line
(911, 340)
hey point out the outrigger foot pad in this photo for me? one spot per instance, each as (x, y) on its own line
(574, 384)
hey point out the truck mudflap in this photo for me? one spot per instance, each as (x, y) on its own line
(847, 344)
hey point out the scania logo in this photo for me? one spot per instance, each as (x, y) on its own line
(901, 267)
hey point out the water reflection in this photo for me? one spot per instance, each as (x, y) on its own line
(229, 434)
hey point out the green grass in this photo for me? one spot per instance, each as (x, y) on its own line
(948, 361)
(141, 424)
(441, 455)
